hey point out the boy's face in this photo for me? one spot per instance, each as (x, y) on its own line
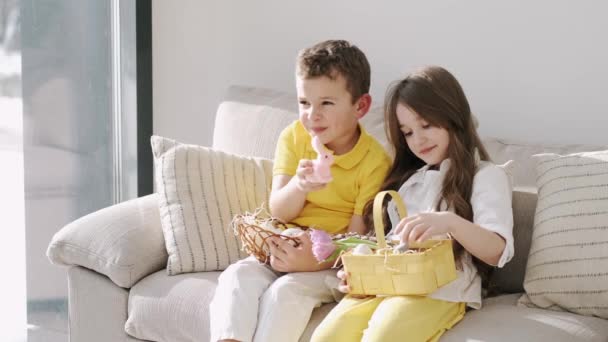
(327, 111)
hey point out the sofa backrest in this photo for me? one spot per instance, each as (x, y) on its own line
(524, 174)
(250, 119)
(510, 278)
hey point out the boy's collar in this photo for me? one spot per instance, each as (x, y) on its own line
(354, 156)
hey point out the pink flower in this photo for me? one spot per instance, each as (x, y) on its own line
(325, 248)
(322, 244)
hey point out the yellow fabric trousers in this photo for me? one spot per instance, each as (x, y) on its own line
(387, 319)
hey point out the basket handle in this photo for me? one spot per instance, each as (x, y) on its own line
(378, 220)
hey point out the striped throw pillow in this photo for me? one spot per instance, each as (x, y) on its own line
(567, 266)
(200, 191)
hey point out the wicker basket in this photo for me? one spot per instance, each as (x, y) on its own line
(255, 229)
(384, 273)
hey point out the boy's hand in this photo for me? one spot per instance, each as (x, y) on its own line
(304, 169)
(286, 258)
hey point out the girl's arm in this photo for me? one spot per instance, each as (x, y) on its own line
(490, 236)
(482, 243)
(357, 225)
(490, 239)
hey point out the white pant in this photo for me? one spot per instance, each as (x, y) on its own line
(270, 306)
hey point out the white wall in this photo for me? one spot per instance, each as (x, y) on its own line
(533, 71)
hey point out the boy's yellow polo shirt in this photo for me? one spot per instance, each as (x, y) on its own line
(357, 177)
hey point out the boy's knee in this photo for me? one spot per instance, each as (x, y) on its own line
(241, 272)
(234, 271)
(282, 289)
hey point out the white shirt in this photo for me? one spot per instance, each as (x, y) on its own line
(492, 210)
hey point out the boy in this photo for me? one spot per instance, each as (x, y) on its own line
(332, 80)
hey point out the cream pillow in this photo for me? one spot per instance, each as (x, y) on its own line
(200, 190)
(567, 266)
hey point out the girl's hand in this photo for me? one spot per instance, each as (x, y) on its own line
(305, 168)
(420, 227)
(343, 287)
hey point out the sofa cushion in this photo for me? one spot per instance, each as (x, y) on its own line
(200, 191)
(568, 261)
(176, 309)
(502, 150)
(124, 242)
(500, 319)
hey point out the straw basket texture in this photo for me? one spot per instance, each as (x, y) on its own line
(254, 230)
(418, 272)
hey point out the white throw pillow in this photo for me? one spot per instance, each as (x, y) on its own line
(200, 191)
(568, 262)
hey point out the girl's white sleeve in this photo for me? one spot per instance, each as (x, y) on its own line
(492, 205)
(393, 215)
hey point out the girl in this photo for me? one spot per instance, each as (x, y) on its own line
(449, 186)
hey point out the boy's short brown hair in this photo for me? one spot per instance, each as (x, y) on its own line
(333, 57)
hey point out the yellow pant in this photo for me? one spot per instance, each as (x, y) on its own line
(397, 318)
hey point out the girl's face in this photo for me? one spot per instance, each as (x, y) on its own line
(427, 142)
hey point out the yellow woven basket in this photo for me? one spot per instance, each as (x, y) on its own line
(385, 273)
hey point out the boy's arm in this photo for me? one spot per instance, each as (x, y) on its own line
(288, 194)
(289, 186)
(286, 200)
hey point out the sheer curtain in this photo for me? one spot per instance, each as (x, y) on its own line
(11, 177)
(68, 135)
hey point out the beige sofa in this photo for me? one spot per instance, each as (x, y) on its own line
(119, 289)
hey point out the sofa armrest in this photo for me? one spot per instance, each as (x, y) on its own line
(124, 241)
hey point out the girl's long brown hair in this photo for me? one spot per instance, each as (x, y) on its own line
(437, 97)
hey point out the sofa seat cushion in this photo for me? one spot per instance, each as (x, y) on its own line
(167, 308)
(500, 319)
